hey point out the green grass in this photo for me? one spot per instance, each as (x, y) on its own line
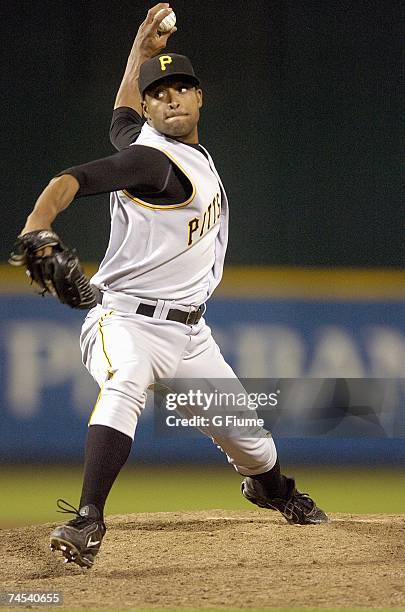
(29, 493)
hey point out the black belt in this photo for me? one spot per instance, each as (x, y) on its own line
(181, 316)
(188, 318)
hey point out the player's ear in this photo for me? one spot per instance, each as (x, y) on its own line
(199, 97)
(145, 110)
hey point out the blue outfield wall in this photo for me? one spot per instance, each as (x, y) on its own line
(47, 395)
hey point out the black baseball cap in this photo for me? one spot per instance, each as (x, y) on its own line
(163, 66)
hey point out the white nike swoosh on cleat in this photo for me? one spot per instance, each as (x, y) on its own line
(90, 543)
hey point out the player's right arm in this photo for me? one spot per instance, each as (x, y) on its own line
(127, 115)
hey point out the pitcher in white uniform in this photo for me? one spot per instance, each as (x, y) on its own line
(169, 230)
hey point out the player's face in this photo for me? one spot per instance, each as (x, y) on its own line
(172, 107)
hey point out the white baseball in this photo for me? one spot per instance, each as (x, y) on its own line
(167, 23)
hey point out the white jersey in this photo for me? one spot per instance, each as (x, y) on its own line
(168, 252)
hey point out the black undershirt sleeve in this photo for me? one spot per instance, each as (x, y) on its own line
(144, 172)
(140, 169)
(125, 127)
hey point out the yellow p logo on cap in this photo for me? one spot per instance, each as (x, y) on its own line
(164, 61)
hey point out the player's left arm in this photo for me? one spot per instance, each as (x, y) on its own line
(56, 196)
(143, 168)
(49, 263)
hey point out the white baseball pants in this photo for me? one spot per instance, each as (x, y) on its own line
(126, 352)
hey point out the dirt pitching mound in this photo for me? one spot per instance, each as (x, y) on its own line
(219, 559)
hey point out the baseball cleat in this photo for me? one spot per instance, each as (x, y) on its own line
(80, 539)
(298, 508)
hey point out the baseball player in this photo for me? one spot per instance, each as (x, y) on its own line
(169, 229)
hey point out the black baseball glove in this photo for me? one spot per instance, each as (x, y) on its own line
(58, 273)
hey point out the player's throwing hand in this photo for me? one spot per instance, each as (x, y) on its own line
(149, 42)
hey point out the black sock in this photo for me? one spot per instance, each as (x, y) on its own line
(275, 484)
(106, 452)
